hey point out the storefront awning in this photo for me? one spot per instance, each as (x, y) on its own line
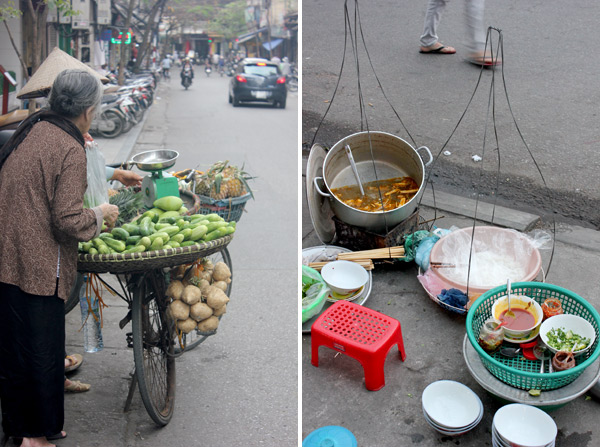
(270, 45)
(246, 37)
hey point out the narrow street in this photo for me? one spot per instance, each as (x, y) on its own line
(245, 377)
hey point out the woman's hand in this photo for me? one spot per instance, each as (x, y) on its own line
(109, 213)
(128, 178)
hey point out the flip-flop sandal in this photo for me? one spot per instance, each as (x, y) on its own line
(59, 435)
(77, 387)
(76, 361)
(438, 51)
(484, 61)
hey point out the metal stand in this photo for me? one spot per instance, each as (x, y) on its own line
(132, 387)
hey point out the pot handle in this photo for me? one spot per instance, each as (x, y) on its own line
(324, 194)
(428, 153)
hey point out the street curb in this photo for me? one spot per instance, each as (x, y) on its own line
(505, 217)
(130, 141)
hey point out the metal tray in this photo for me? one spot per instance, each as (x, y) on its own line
(550, 399)
(362, 299)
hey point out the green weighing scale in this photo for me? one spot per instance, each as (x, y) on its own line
(156, 185)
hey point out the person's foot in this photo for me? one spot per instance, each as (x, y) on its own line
(437, 48)
(36, 442)
(484, 59)
(59, 435)
(72, 362)
(75, 386)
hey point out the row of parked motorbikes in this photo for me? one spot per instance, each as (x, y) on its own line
(122, 107)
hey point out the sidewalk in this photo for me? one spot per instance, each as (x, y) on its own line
(334, 393)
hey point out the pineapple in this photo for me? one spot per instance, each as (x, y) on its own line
(223, 181)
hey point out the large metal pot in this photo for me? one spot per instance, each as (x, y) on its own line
(392, 157)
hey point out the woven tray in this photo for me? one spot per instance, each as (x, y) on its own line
(141, 262)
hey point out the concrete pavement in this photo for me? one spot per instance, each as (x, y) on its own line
(334, 393)
(240, 386)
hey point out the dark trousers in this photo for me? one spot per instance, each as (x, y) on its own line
(32, 346)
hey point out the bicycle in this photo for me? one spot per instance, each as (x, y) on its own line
(155, 340)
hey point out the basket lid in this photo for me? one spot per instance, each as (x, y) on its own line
(320, 210)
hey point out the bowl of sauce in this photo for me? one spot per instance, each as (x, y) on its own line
(524, 323)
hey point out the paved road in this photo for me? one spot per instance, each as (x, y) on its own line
(551, 79)
(240, 386)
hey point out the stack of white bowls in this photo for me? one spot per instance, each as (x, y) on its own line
(518, 425)
(451, 408)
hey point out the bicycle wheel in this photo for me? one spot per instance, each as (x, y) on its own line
(73, 299)
(153, 347)
(194, 338)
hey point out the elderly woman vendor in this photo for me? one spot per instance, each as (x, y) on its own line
(42, 183)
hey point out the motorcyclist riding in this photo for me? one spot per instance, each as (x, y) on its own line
(187, 73)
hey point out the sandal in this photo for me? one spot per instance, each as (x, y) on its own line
(57, 436)
(75, 362)
(482, 60)
(77, 387)
(442, 49)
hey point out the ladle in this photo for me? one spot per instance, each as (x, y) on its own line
(509, 352)
(541, 352)
(509, 313)
(353, 165)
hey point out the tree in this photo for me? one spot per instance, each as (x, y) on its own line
(38, 14)
(230, 20)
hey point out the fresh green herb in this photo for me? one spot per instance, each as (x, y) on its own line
(307, 283)
(563, 340)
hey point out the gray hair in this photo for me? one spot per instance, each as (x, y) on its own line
(74, 91)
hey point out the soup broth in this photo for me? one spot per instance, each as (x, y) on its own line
(395, 192)
(522, 320)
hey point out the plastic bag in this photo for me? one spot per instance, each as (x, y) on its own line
(314, 293)
(97, 190)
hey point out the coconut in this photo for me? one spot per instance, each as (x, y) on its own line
(221, 272)
(221, 285)
(220, 311)
(208, 325)
(191, 295)
(175, 290)
(179, 310)
(200, 311)
(215, 297)
(187, 326)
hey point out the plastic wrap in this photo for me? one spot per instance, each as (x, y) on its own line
(97, 189)
(496, 255)
(315, 292)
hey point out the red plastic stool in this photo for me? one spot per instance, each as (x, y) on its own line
(361, 333)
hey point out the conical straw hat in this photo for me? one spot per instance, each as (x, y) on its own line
(40, 83)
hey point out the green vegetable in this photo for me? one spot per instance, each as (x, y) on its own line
(116, 245)
(146, 242)
(132, 229)
(157, 244)
(566, 341)
(198, 232)
(120, 233)
(145, 226)
(133, 240)
(136, 249)
(168, 203)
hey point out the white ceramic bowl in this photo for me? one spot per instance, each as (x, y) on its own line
(344, 277)
(451, 404)
(525, 425)
(519, 302)
(575, 323)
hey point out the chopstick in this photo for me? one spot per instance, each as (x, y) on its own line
(366, 263)
(377, 253)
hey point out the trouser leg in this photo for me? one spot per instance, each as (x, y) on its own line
(476, 32)
(433, 15)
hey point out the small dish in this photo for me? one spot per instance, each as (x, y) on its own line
(334, 296)
(524, 425)
(344, 277)
(450, 404)
(574, 323)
